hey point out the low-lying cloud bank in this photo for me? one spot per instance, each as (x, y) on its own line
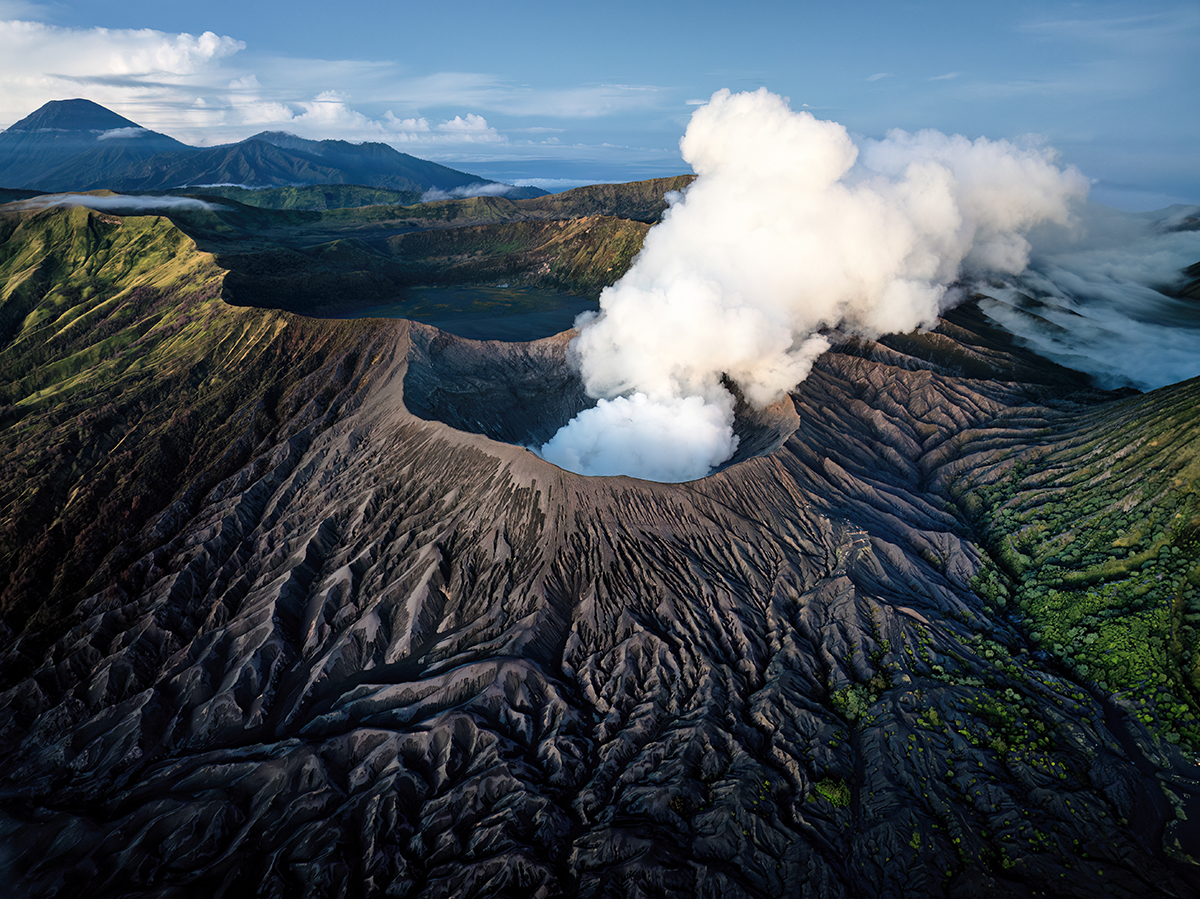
(117, 202)
(1105, 300)
(468, 190)
(789, 230)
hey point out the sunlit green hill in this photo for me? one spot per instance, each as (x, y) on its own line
(124, 378)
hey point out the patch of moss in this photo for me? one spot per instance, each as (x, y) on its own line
(834, 790)
(1096, 547)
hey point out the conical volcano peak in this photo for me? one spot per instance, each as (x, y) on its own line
(76, 145)
(72, 115)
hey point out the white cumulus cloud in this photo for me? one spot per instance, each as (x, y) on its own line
(201, 89)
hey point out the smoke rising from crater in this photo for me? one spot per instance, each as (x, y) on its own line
(788, 230)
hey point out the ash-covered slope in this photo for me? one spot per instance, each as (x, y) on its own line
(376, 655)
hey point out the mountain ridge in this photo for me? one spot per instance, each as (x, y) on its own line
(79, 145)
(60, 133)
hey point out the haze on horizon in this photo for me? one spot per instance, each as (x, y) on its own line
(557, 95)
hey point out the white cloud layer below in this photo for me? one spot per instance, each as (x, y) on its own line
(115, 202)
(1103, 301)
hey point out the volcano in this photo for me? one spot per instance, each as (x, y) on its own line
(289, 608)
(79, 145)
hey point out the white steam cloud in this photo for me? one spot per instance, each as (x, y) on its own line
(115, 202)
(652, 439)
(790, 229)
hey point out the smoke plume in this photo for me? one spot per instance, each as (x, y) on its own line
(789, 229)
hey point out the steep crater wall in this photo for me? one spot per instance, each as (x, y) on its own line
(522, 393)
(513, 392)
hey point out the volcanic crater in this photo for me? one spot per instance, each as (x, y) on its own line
(522, 393)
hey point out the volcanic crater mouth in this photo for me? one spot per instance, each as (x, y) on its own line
(522, 393)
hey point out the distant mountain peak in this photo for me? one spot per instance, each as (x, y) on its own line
(80, 145)
(277, 135)
(287, 141)
(75, 115)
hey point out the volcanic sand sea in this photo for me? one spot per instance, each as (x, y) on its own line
(485, 313)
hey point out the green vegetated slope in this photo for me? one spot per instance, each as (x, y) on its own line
(580, 255)
(126, 384)
(315, 197)
(350, 208)
(80, 289)
(303, 222)
(1094, 542)
(321, 263)
(583, 254)
(318, 197)
(435, 214)
(640, 201)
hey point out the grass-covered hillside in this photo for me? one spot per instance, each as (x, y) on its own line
(126, 384)
(324, 262)
(1094, 544)
(641, 200)
(310, 196)
(582, 254)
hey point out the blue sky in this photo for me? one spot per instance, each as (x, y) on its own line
(566, 93)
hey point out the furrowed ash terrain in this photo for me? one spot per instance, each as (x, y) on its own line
(351, 638)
